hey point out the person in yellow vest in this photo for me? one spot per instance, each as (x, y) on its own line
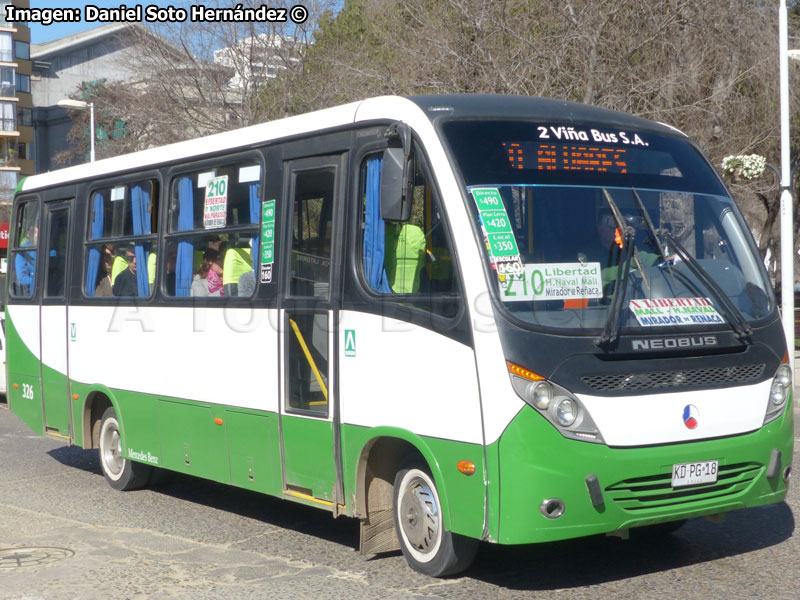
(405, 257)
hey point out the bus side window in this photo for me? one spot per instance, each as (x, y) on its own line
(123, 222)
(412, 257)
(24, 259)
(204, 205)
(311, 232)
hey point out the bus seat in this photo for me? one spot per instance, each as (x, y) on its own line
(237, 262)
(405, 256)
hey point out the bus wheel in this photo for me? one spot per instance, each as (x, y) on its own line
(428, 547)
(121, 473)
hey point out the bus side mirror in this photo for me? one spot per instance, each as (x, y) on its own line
(396, 193)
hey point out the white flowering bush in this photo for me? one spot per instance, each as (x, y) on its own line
(746, 166)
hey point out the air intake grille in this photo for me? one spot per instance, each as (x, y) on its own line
(671, 379)
(656, 491)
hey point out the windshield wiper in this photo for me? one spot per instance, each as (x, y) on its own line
(650, 227)
(624, 227)
(611, 330)
(735, 318)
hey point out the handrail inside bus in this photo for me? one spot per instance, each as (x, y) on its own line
(310, 360)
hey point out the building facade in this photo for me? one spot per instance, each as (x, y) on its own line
(16, 114)
(60, 68)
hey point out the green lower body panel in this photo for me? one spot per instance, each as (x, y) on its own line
(536, 463)
(227, 444)
(463, 496)
(309, 457)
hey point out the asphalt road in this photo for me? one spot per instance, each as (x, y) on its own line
(64, 534)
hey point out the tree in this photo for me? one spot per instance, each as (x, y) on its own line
(197, 78)
(707, 68)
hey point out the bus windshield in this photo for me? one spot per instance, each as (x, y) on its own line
(624, 222)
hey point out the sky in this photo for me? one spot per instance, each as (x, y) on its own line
(41, 33)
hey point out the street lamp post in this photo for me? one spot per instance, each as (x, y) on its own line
(80, 104)
(787, 213)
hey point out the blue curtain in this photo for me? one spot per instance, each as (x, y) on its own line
(374, 230)
(93, 263)
(255, 217)
(185, 259)
(140, 206)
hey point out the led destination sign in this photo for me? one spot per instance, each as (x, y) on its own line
(563, 148)
(566, 157)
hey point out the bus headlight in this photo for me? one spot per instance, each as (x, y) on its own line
(778, 393)
(559, 406)
(540, 394)
(566, 412)
(784, 375)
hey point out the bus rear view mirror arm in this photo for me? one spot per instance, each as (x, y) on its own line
(396, 192)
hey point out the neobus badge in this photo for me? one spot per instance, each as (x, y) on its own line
(675, 342)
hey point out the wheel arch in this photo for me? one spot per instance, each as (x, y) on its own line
(381, 457)
(97, 401)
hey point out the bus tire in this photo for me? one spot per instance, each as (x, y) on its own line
(120, 473)
(428, 547)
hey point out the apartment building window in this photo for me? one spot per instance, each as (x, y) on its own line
(23, 83)
(7, 120)
(22, 50)
(23, 150)
(6, 47)
(3, 22)
(8, 180)
(24, 117)
(7, 88)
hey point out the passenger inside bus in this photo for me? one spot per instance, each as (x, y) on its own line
(25, 262)
(410, 257)
(238, 260)
(125, 283)
(207, 281)
(104, 280)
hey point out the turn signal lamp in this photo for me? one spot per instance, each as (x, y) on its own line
(466, 467)
(515, 369)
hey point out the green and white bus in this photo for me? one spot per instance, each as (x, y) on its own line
(455, 318)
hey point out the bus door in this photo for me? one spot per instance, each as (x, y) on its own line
(22, 322)
(55, 319)
(309, 316)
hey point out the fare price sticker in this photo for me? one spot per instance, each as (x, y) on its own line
(498, 234)
(554, 281)
(675, 311)
(215, 208)
(267, 255)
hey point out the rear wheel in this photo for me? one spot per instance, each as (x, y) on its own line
(121, 473)
(428, 547)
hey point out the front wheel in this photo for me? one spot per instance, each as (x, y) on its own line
(120, 473)
(428, 547)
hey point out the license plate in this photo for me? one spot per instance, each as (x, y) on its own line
(694, 473)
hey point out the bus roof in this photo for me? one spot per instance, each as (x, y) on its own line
(487, 106)
(496, 106)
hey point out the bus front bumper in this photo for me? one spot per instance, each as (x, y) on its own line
(537, 464)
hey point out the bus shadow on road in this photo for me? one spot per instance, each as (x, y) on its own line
(555, 565)
(246, 503)
(599, 559)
